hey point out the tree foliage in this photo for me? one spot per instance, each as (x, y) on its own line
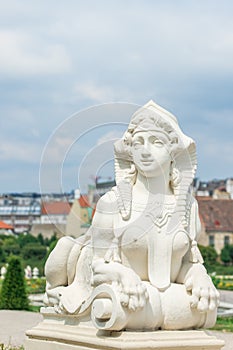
(33, 251)
(40, 239)
(209, 255)
(230, 247)
(2, 256)
(24, 239)
(227, 254)
(13, 294)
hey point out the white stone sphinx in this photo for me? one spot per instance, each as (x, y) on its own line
(139, 267)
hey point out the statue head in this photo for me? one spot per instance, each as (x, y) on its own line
(162, 125)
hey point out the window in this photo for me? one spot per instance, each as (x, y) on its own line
(211, 241)
(226, 240)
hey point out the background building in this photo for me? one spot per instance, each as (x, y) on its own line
(20, 210)
(217, 222)
(80, 216)
(53, 219)
(71, 213)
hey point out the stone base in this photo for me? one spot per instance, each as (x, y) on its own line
(52, 335)
(86, 338)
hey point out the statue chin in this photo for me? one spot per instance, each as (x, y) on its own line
(139, 267)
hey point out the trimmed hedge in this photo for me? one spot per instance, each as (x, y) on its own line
(13, 294)
(33, 251)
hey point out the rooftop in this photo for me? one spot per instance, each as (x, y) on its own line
(83, 201)
(5, 226)
(216, 214)
(55, 208)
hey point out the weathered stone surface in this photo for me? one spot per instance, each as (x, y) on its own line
(50, 336)
(138, 267)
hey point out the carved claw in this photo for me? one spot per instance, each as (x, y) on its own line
(204, 296)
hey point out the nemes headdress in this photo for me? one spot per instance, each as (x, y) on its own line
(182, 149)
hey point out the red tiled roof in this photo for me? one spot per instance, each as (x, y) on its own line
(83, 201)
(216, 214)
(55, 208)
(3, 225)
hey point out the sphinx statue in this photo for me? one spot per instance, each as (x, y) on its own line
(139, 266)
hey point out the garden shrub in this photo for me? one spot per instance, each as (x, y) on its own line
(225, 255)
(13, 294)
(2, 256)
(223, 270)
(24, 239)
(33, 251)
(40, 239)
(209, 255)
(11, 249)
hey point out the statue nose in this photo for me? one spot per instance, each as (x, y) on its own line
(146, 151)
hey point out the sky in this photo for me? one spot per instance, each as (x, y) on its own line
(72, 73)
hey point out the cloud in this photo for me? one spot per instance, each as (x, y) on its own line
(110, 136)
(88, 90)
(57, 59)
(19, 151)
(97, 93)
(23, 54)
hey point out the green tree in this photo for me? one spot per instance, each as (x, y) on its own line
(40, 239)
(10, 240)
(53, 239)
(225, 255)
(10, 246)
(33, 251)
(231, 252)
(2, 255)
(209, 255)
(13, 294)
(24, 239)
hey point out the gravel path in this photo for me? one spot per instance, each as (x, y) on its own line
(13, 325)
(226, 296)
(226, 336)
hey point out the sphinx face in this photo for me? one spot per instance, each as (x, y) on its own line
(150, 152)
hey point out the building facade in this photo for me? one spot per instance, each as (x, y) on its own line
(217, 222)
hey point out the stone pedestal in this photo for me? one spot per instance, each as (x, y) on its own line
(59, 332)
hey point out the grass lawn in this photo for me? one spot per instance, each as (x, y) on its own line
(224, 324)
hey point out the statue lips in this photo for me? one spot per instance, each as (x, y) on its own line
(147, 161)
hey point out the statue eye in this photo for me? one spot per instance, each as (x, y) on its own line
(157, 142)
(137, 144)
